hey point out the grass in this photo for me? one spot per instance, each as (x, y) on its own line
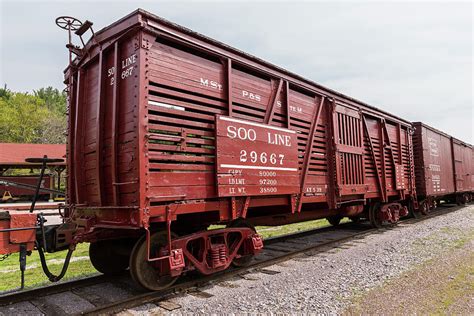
(273, 231)
(81, 266)
(442, 285)
(461, 284)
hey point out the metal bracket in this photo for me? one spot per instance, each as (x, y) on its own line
(309, 148)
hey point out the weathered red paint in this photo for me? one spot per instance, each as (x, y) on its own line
(162, 88)
(10, 240)
(443, 165)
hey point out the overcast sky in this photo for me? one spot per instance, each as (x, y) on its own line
(412, 59)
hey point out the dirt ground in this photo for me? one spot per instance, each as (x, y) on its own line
(443, 285)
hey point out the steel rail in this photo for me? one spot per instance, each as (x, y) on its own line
(8, 298)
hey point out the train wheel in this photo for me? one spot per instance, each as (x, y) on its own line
(374, 215)
(105, 257)
(460, 200)
(334, 220)
(246, 260)
(424, 208)
(145, 273)
(413, 213)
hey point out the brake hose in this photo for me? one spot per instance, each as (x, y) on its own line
(52, 277)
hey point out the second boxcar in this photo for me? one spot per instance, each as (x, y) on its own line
(443, 168)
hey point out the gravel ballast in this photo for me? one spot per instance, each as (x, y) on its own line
(328, 282)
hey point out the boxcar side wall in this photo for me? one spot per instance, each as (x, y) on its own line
(443, 166)
(103, 156)
(462, 157)
(187, 87)
(433, 161)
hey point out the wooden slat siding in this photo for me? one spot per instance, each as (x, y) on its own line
(106, 133)
(165, 112)
(99, 128)
(168, 63)
(190, 140)
(175, 73)
(309, 149)
(229, 87)
(177, 149)
(200, 104)
(156, 119)
(191, 192)
(89, 140)
(174, 129)
(374, 159)
(166, 157)
(70, 153)
(382, 158)
(330, 145)
(170, 178)
(399, 140)
(78, 138)
(186, 104)
(127, 123)
(392, 160)
(169, 92)
(181, 166)
(194, 90)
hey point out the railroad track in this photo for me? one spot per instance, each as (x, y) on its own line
(105, 295)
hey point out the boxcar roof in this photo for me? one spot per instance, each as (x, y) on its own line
(136, 18)
(440, 132)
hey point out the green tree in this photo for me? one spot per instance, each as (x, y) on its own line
(21, 118)
(38, 118)
(54, 99)
(5, 93)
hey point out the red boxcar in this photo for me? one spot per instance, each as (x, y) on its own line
(463, 168)
(171, 131)
(443, 167)
(24, 193)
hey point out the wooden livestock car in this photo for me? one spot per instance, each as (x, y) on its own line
(443, 168)
(171, 131)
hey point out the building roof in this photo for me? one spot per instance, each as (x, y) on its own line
(13, 154)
